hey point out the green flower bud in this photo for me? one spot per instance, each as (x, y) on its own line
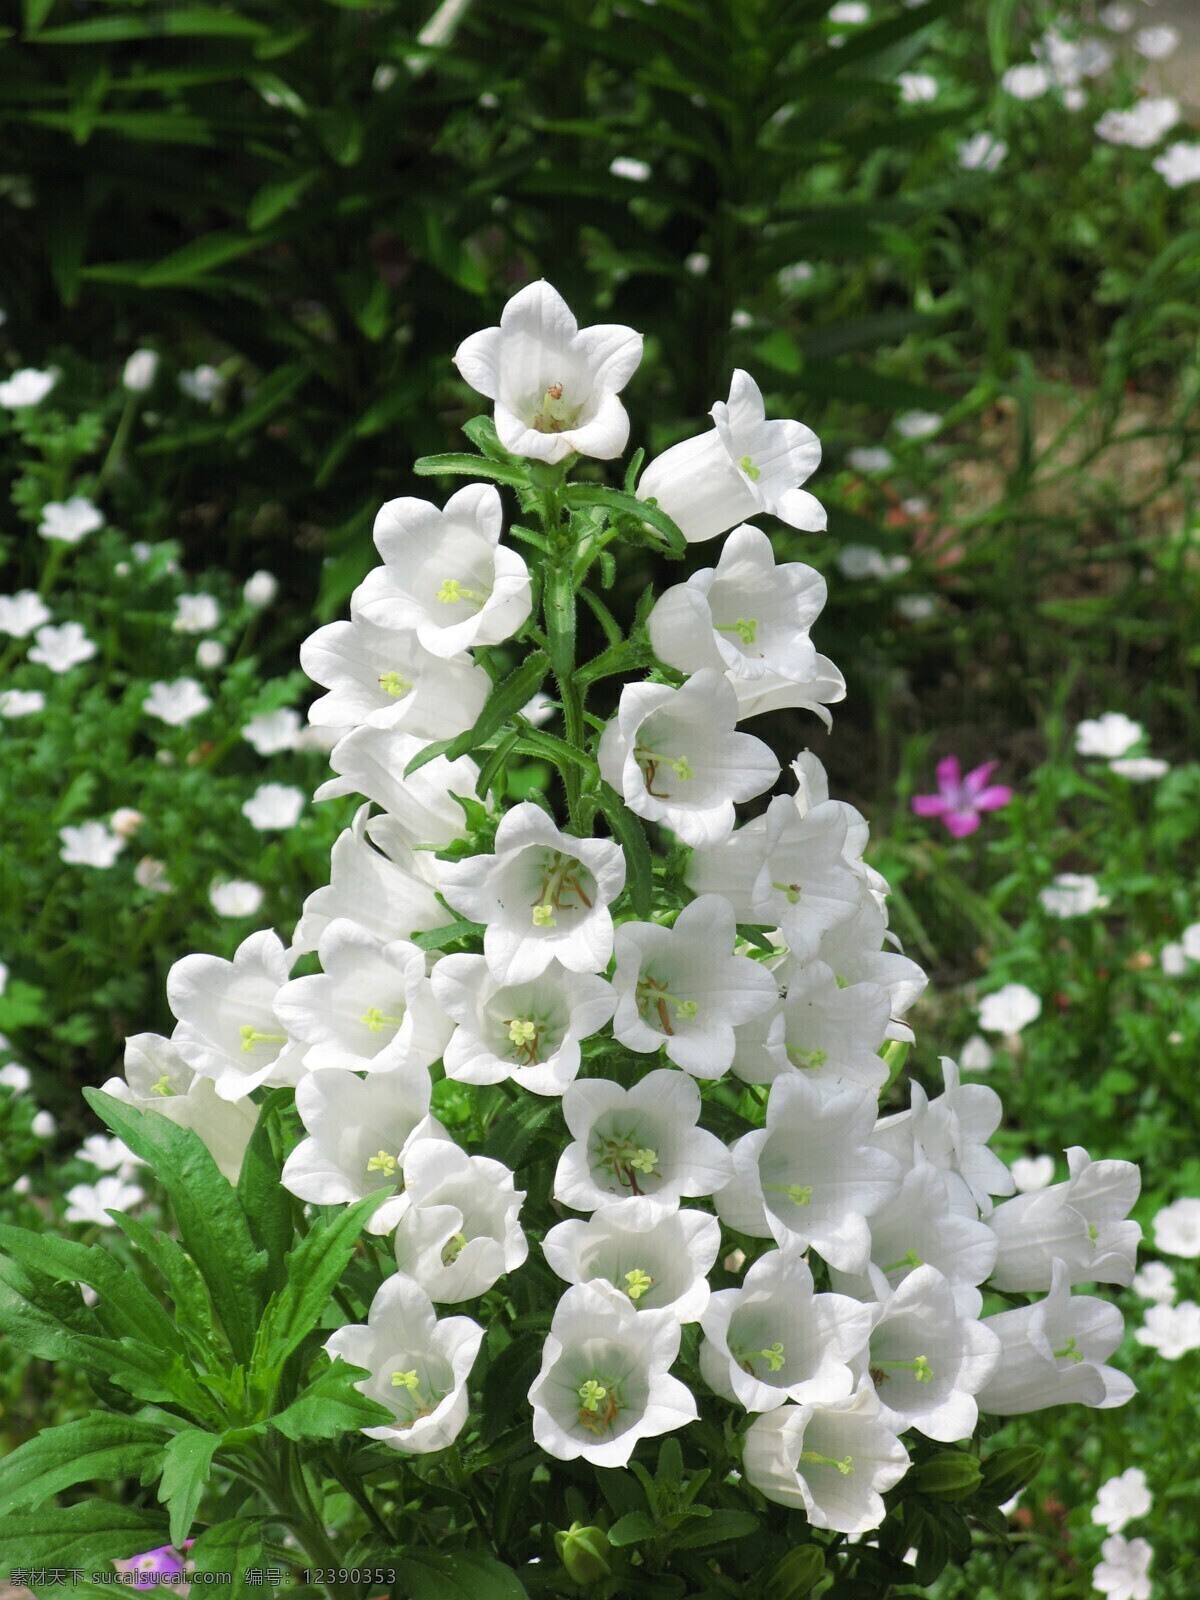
(950, 1475)
(797, 1573)
(583, 1552)
(1008, 1471)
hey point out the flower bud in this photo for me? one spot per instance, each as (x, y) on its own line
(583, 1552)
(140, 371)
(1008, 1471)
(797, 1574)
(950, 1475)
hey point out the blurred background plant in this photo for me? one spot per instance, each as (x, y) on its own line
(959, 239)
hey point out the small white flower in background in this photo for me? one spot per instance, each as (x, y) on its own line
(554, 384)
(1143, 125)
(196, 613)
(274, 805)
(176, 702)
(1009, 1009)
(697, 263)
(419, 1365)
(916, 88)
(671, 1251)
(1028, 81)
(109, 1154)
(62, 648)
(236, 897)
(744, 465)
(742, 319)
(982, 152)
(273, 731)
(70, 520)
(864, 561)
(849, 13)
(629, 167)
(21, 702)
(1178, 165)
(91, 1202)
(126, 821)
(21, 613)
(917, 424)
(1122, 1499)
(90, 845)
(203, 383)
(1110, 735)
(140, 371)
(43, 1125)
(1155, 1282)
(260, 589)
(15, 1077)
(1177, 1229)
(794, 275)
(1124, 1574)
(870, 459)
(1118, 18)
(29, 387)
(1032, 1172)
(916, 607)
(210, 654)
(1072, 894)
(1156, 44)
(1173, 959)
(152, 874)
(1140, 769)
(604, 1382)
(1171, 1330)
(1190, 941)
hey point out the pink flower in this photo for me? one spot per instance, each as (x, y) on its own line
(162, 1566)
(960, 800)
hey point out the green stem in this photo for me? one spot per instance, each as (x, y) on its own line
(559, 603)
(359, 1494)
(117, 448)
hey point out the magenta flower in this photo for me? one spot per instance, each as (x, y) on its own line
(960, 800)
(154, 1567)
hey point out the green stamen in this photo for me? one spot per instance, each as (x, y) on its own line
(798, 1193)
(752, 472)
(591, 1393)
(453, 1248)
(790, 891)
(251, 1037)
(807, 1058)
(393, 684)
(637, 1282)
(406, 1380)
(918, 1366)
(687, 1009)
(375, 1020)
(543, 916)
(644, 1160)
(163, 1086)
(746, 628)
(910, 1258)
(382, 1162)
(845, 1466)
(451, 591)
(773, 1355)
(1069, 1351)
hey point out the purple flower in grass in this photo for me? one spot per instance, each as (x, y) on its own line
(959, 801)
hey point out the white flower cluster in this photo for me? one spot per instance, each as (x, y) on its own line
(873, 1237)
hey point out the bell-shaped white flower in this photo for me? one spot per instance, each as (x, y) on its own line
(456, 1224)
(1080, 1222)
(445, 574)
(555, 384)
(371, 1010)
(359, 1133)
(388, 891)
(371, 762)
(823, 686)
(833, 1462)
(419, 1365)
(854, 951)
(157, 1078)
(804, 885)
(1053, 1354)
(951, 1132)
(543, 896)
(604, 1383)
(745, 616)
(227, 1029)
(920, 1229)
(674, 757)
(647, 1249)
(814, 1170)
(830, 1032)
(774, 1340)
(683, 989)
(387, 678)
(927, 1361)
(744, 466)
(526, 1032)
(642, 1140)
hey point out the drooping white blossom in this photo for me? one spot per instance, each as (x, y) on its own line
(386, 677)
(226, 1028)
(951, 1132)
(371, 762)
(1080, 1223)
(648, 1249)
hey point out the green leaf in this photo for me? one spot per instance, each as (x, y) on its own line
(429, 753)
(331, 1405)
(633, 1529)
(721, 1528)
(456, 1575)
(489, 769)
(193, 1310)
(671, 539)
(271, 396)
(82, 1535)
(186, 1466)
(509, 697)
(211, 1221)
(439, 938)
(631, 836)
(263, 1198)
(232, 1549)
(273, 199)
(99, 1447)
(515, 1129)
(460, 465)
(628, 656)
(537, 742)
(183, 22)
(507, 1382)
(313, 1269)
(193, 260)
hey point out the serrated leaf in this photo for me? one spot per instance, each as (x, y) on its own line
(101, 1447)
(313, 1269)
(193, 1311)
(211, 1220)
(187, 1463)
(633, 1528)
(457, 464)
(331, 1405)
(234, 1549)
(78, 1536)
(631, 836)
(628, 656)
(263, 1198)
(456, 1575)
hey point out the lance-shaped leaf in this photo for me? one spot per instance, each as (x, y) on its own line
(187, 1463)
(211, 1220)
(629, 833)
(100, 1447)
(78, 1536)
(509, 696)
(670, 539)
(460, 465)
